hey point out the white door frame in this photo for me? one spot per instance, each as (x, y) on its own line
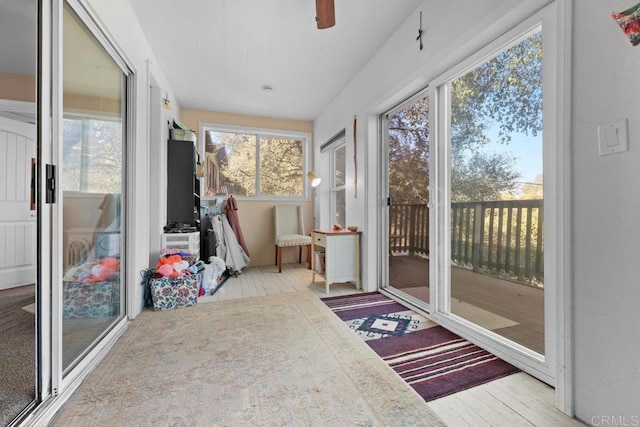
(555, 367)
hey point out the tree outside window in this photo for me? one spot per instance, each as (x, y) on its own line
(256, 164)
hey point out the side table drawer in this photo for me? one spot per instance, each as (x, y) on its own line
(320, 239)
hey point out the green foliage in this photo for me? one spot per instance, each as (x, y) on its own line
(506, 92)
(280, 165)
(409, 153)
(482, 177)
(238, 164)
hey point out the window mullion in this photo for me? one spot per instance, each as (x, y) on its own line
(84, 157)
(257, 182)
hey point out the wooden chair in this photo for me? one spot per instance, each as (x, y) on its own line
(289, 231)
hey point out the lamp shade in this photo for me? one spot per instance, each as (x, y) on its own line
(314, 179)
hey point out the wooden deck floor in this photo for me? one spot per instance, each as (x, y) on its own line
(510, 309)
(515, 400)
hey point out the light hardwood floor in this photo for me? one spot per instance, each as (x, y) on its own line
(522, 304)
(517, 400)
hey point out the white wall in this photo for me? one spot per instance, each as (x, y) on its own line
(119, 20)
(606, 218)
(605, 190)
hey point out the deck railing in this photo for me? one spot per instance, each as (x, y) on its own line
(501, 238)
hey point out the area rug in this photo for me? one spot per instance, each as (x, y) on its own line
(433, 360)
(266, 361)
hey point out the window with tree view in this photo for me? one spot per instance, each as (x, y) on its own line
(254, 164)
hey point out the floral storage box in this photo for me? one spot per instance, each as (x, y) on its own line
(100, 299)
(168, 293)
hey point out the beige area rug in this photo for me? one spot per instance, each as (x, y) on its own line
(267, 361)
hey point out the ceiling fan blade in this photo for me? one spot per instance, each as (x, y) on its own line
(325, 14)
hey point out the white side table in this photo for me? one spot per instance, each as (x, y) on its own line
(342, 256)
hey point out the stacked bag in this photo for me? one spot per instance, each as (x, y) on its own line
(175, 282)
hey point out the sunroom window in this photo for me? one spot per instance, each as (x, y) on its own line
(255, 163)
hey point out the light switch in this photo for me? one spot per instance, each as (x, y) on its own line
(613, 138)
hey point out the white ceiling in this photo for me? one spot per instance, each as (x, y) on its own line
(218, 54)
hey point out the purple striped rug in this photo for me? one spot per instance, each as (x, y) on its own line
(433, 360)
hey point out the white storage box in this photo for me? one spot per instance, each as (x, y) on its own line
(189, 242)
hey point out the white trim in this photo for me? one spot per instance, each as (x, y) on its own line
(373, 222)
(333, 189)
(564, 297)
(24, 107)
(440, 254)
(382, 240)
(56, 208)
(23, 111)
(44, 211)
(132, 298)
(249, 129)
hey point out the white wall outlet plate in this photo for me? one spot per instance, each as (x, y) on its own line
(613, 137)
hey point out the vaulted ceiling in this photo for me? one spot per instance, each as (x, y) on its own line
(219, 55)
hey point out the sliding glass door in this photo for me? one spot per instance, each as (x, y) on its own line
(407, 215)
(19, 285)
(496, 190)
(64, 134)
(92, 188)
(474, 195)
(501, 195)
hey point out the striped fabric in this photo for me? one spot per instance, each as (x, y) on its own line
(362, 305)
(433, 360)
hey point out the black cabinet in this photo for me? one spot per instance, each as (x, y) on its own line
(183, 187)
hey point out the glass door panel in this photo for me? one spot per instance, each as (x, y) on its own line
(496, 215)
(339, 186)
(408, 198)
(92, 183)
(18, 224)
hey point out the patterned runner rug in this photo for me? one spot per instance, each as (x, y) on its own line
(434, 361)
